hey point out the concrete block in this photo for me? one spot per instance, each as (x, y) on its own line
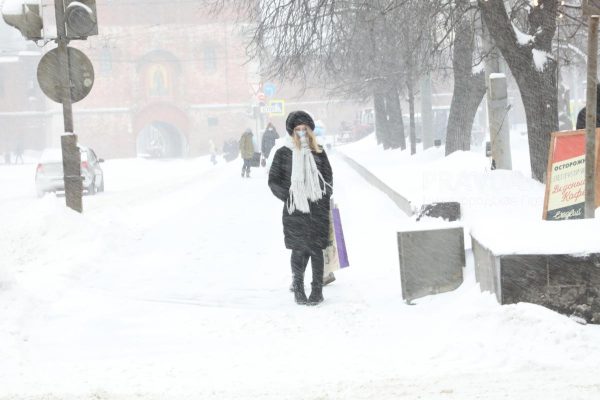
(565, 283)
(523, 278)
(431, 261)
(487, 270)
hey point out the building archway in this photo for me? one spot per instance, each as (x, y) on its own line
(162, 131)
(161, 140)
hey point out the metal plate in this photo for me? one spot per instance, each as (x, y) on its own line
(81, 73)
(431, 261)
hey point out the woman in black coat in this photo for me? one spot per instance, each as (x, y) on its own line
(301, 177)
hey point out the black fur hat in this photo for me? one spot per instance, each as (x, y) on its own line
(298, 118)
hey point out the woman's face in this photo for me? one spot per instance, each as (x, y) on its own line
(300, 130)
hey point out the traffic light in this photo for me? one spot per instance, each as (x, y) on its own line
(25, 16)
(80, 18)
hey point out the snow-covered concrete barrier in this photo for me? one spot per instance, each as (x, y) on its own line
(566, 283)
(432, 257)
(431, 261)
(400, 201)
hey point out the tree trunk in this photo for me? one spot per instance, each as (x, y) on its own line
(394, 111)
(381, 120)
(469, 90)
(411, 107)
(426, 112)
(465, 101)
(540, 99)
(537, 83)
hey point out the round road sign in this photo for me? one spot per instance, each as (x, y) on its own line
(81, 74)
(269, 89)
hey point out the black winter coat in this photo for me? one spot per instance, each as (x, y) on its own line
(268, 141)
(302, 231)
(581, 118)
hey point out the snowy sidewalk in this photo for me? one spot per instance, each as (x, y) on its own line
(180, 290)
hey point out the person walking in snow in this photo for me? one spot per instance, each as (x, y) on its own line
(19, 152)
(268, 140)
(247, 150)
(212, 149)
(302, 178)
(230, 150)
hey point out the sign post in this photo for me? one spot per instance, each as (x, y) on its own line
(591, 8)
(498, 111)
(70, 151)
(65, 74)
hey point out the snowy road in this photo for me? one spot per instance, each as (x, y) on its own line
(174, 284)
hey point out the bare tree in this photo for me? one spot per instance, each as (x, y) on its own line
(365, 48)
(369, 67)
(528, 53)
(375, 48)
(469, 77)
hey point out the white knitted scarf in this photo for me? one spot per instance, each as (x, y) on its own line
(305, 185)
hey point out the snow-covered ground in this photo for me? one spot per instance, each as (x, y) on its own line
(174, 284)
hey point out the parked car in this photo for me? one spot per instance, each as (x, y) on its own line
(49, 175)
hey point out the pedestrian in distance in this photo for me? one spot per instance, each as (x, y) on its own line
(302, 178)
(19, 153)
(213, 151)
(268, 140)
(230, 150)
(247, 150)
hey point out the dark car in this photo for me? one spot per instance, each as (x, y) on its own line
(49, 175)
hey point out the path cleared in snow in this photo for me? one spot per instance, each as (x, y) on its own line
(174, 284)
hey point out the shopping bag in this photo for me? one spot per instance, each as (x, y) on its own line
(340, 243)
(255, 161)
(336, 255)
(330, 254)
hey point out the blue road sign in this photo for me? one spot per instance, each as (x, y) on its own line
(269, 89)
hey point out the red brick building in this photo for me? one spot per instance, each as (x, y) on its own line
(169, 77)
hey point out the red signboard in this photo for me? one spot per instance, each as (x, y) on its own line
(565, 181)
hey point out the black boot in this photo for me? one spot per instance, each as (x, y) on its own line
(299, 294)
(299, 261)
(316, 294)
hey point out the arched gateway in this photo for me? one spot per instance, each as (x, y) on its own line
(161, 140)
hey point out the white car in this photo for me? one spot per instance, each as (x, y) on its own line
(49, 176)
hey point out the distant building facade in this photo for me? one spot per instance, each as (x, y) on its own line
(169, 77)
